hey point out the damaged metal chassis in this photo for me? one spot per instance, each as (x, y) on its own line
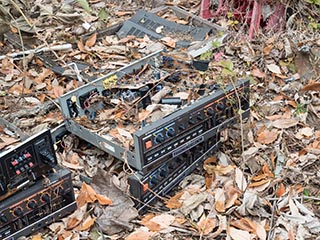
(139, 159)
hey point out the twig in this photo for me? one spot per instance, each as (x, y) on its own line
(45, 49)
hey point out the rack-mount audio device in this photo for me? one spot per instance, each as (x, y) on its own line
(146, 188)
(23, 164)
(153, 110)
(46, 201)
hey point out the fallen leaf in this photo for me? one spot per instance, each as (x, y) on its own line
(173, 202)
(256, 72)
(267, 49)
(285, 123)
(58, 91)
(76, 218)
(262, 182)
(170, 42)
(273, 68)
(240, 180)
(220, 200)
(281, 190)
(239, 234)
(139, 235)
(87, 195)
(91, 41)
(159, 222)
(103, 200)
(311, 87)
(267, 137)
(37, 237)
(206, 225)
(86, 224)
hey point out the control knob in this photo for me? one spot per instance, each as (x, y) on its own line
(163, 173)
(191, 121)
(45, 198)
(3, 218)
(170, 132)
(210, 111)
(154, 181)
(159, 138)
(18, 212)
(32, 204)
(181, 127)
(199, 116)
(220, 106)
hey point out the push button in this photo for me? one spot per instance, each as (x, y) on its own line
(15, 162)
(148, 144)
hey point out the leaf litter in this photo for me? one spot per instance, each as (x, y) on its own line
(268, 191)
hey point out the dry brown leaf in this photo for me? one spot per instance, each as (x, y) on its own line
(285, 123)
(159, 222)
(206, 225)
(256, 72)
(91, 41)
(209, 180)
(140, 235)
(311, 87)
(281, 190)
(87, 195)
(274, 68)
(46, 73)
(81, 46)
(170, 42)
(6, 141)
(220, 200)
(237, 234)
(240, 180)
(103, 200)
(267, 49)
(37, 237)
(76, 218)
(122, 13)
(58, 91)
(267, 137)
(173, 202)
(86, 224)
(260, 183)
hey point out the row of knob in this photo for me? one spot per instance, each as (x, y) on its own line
(171, 132)
(32, 204)
(165, 171)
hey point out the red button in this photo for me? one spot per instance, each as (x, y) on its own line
(18, 172)
(148, 144)
(27, 155)
(14, 162)
(30, 164)
(145, 187)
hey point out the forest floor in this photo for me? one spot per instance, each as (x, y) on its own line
(263, 183)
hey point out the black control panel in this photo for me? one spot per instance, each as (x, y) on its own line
(38, 206)
(182, 130)
(25, 163)
(145, 188)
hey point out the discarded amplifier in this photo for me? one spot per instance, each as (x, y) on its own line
(25, 163)
(44, 202)
(153, 110)
(146, 188)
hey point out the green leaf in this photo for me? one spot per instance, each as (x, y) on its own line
(85, 5)
(103, 15)
(306, 192)
(227, 64)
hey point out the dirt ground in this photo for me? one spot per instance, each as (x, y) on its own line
(263, 183)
